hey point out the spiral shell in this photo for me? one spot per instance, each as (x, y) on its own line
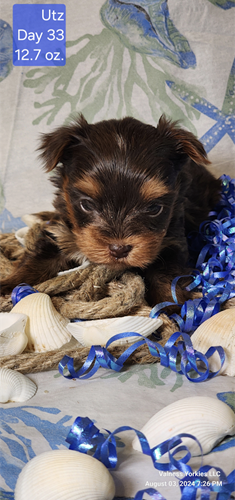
(15, 386)
(207, 419)
(64, 475)
(13, 338)
(99, 331)
(219, 330)
(45, 328)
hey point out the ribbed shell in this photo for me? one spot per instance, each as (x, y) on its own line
(46, 328)
(219, 330)
(207, 419)
(15, 386)
(99, 331)
(13, 338)
(64, 475)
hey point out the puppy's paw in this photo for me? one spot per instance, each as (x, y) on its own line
(160, 290)
(183, 295)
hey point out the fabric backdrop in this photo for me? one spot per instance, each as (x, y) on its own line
(140, 58)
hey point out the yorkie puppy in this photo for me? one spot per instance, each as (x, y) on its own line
(127, 196)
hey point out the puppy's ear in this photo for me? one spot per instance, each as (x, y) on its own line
(185, 142)
(54, 144)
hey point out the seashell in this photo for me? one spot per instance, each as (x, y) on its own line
(15, 386)
(207, 419)
(13, 339)
(45, 328)
(99, 331)
(64, 475)
(219, 330)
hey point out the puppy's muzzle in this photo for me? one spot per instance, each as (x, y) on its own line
(119, 251)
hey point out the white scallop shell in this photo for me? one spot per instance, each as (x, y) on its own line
(207, 419)
(219, 330)
(64, 475)
(15, 386)
(99, 331)
(13, 339)
(45, 328)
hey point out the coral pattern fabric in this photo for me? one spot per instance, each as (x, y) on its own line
(140, 58)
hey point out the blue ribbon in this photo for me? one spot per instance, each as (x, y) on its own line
(169, 356)
(192, 313)
(154, 494)
(21, 291)
(214, 275)
(84, 436)
(216, 261)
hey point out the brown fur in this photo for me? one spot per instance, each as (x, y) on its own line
(127, 196)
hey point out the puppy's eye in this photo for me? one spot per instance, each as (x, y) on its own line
(154, 209)
(86, 205)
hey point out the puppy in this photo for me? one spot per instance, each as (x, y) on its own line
(127, 195)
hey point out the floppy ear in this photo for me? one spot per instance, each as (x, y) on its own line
(54, 144)
(185, 142)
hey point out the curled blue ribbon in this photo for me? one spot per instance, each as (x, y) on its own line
(84, 436)
(169, 356)
(154, 494)
(21, 291)
(214, 274)
(216, 261)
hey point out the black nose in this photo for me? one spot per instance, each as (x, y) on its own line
(119, 251)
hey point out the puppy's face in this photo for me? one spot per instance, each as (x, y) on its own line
(117, 185)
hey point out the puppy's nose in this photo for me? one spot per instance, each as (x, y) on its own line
(119, 251)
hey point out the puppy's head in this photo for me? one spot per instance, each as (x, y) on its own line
(117, 184)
